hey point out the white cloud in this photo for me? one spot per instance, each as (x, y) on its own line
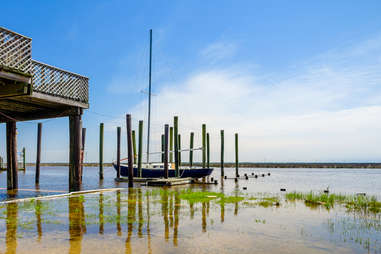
(326, 111)
(218, 51)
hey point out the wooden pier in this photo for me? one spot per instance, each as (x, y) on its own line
(31, 90)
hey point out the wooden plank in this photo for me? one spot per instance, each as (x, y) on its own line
(14, 89)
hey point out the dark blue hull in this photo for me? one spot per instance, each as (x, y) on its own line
(158, 173)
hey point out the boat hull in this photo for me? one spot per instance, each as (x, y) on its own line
(158, 173)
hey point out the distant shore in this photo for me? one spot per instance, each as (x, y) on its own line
(254, 164)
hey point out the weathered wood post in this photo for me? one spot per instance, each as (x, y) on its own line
(130, 155)
(82, 152)
(179, 147)
(176, 150)
(75, 151)
(222, 153)
(207, 151)
(203, 146)
(162, 148)
(23, 159)
(191, 149)
(38, 159)
(140, 152)
(134, 144)
(171, 144)
(12, 178)
(118, 132)
(101, 132)
(166, 151)
(236, 155)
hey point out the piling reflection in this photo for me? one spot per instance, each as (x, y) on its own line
(101, 214)
(37, 209)
(130, 218)
(11, 227)
(77, 223)
(118, 226)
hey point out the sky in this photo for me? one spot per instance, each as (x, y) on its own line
(299, 81)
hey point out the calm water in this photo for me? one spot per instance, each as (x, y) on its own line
(157, 220)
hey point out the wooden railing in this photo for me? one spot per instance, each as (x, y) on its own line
(16, 54)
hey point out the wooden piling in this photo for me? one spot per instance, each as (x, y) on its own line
(101, 135)
(222, 153)
(130, 155)
(38, 159)
(118, 132)
(134, 144)
(12, 179)
(171, 144)
(23, 159)
(75, 152)
(162, 148)
(236, 155)
(166, 151)
(207, 151)
(179, 149)
(191, 149)
(203, 146)
(176, 148)
(82, 151)
(140, 151)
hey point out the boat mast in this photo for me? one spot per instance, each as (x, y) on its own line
(149, 92)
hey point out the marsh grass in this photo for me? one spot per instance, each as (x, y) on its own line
(357, 203)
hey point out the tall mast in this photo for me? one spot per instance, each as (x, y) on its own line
(149, 92)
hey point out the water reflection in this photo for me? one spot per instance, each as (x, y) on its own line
(77, 223)
(11, 227)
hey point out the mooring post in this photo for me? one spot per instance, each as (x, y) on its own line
(222, 153)
(101, 131)
(176, 150)
(130, 155)
(134, 144)
(236, 155)
(162, 148)
(207, 151)
(140, 152)
(38, 159)
(118, 132)
(82, 152)
(203, 146)
(166, 151)
(12, 179)
(23, 159)
(75, 151)
(171, 144)
(179, 147)
(191, 149)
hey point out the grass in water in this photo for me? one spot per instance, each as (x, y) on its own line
(351, 202)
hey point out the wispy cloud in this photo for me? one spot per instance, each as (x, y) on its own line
(218, 51)
(327, 110)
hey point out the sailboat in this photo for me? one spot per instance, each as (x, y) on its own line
(156, 170)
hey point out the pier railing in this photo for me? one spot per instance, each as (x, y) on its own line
(54, 81)
(16, 54)
(15, 50)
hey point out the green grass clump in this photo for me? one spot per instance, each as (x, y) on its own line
(199, 196)
(351, 202)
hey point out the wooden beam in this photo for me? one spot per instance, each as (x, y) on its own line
(14, 88)
(36, 115)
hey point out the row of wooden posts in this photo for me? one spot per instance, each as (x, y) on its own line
(23, 167)
(169, 145)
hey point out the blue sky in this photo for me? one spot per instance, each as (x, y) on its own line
(299, 80)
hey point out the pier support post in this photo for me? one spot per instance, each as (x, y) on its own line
(12, 179)
(207, 151)
(236, 155)
(23, 159)
(130, 152)
(191, 149)
(101, 131)
(171, 144)
(176, 150)
(179, 149)
(162, 148)
(140, 152)
(166, 151)
(222, 153)
(38, 159)
(134, 144)
(75, 151)
(118, 131)
(83, 134)
(203, 146)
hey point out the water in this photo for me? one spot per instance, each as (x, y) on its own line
(158, 220)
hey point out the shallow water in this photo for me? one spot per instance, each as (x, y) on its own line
(157, 220)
